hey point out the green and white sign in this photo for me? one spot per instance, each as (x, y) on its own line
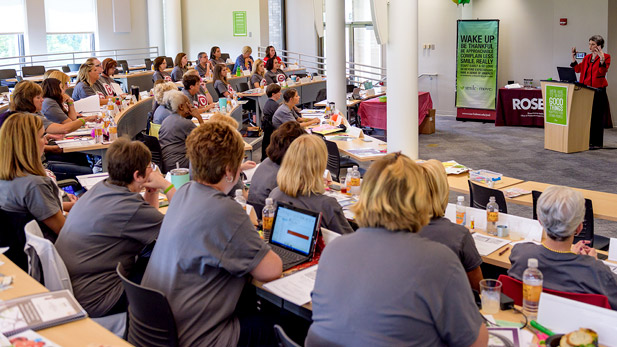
(240, 28)
(556, 105)
(476, 63)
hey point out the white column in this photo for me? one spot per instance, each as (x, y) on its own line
(402, 92)
(335, 54)
(156, 37)
(172, 18)
(36, 31)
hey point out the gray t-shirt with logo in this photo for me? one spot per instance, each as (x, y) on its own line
(172, 137)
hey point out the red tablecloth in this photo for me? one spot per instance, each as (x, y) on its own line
(520, 106)
(374, 113)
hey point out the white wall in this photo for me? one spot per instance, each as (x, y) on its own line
(36, 31)
(300, 25)
(207, 23)
(136, 38)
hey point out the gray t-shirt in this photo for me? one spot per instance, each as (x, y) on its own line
(377, 287)
(567, 272)
(160, 114)
(37, 195)
(107, 225)
(270, 108)
(255, 78)
(192, 98)
(332, 217)
(263, 181)
(282, 115)
(201, 70)
(53, 111)
(83, 90)
(161, 75)
(272, 77)
(107, 83)
(221, 88)
(46, 122)
(206, 249)
(172, 137)
(457, 238)
(177, 73)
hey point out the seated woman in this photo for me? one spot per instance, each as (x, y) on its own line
(179, 67)
(203, 66)
(288, 112)
(202, 85)
(161, 112)
(258, 74)
(414, 290)
(59, 108)
(300, 182)
(207, 248)
(160, 65)
(441, 230)
(176, 128)
(566, 267)
(222, 87)
(244, 60)
(88, 83)
(191, 89)
(271, 53)
(109, 69)
(24, 185)
(264, 178)
(215, 56)
(112, 223)
(274, 74)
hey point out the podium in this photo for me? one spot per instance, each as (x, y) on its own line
(567, 116)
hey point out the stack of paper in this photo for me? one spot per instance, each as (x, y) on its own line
(454, 168)
(295, 288)
(487, 244)
(75, 143)
(88, 181)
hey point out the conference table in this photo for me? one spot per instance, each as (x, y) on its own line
(84, 332)
(520, 107)
(374, 113)
(458, 183)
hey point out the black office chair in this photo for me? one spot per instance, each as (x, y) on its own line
(225, 56)
(350, 88)
(32, 70)
(170, 62)
(322, 94)
(150, 320)
(282, 338)
(14, 236)
(154, 146)
(4, 89)
(73, 67)
(479, 196)
(335, 161)
(65, 69)
(148, 64)
(6, 74)
(243, 87)
(595, 241)
(125, 66)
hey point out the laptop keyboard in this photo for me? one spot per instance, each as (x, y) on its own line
(288, 257)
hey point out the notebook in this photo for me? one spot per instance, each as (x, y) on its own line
(294, 234)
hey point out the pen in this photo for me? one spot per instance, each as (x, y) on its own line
(504, 251)
(538, 326)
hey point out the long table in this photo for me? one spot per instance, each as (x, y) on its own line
(80, 333)
(458, 183)
(374, 113)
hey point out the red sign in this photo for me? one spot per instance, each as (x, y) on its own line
(473, 113)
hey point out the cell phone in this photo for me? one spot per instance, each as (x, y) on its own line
(580, 55)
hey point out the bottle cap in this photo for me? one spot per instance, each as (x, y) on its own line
(532, 262)
(492, 198)
(268, 201)
(238, 192)
(460, 198)
(355, 167)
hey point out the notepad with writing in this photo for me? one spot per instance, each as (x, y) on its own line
(39, 311)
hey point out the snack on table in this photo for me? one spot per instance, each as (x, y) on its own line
(580, 338)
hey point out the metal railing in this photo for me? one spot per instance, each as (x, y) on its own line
(133, 56)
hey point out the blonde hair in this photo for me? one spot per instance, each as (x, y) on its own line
(20, 148)
(393, 195)
(256, 66)
(247, 49)
(190, 72)
(303, 166)
(219, 117)
(22, 98)
(49, 72)
(60, 76)
(84, 70)
(438, 187)
(160, 89)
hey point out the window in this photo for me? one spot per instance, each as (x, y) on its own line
(11, 33)
(75, 35)
(70, 42)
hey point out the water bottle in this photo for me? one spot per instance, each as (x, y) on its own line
(112, 130)
(110, 108)
(238, 72)
(355, 181)
(348, 182)
(461, 211)
(98, 133)
(532, 287)
(492, 216)
(267, 218)
(240, 198)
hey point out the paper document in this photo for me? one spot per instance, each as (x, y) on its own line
(80, 132)
(499, 336)
(295, 288)
(117, 89)
(88, 181)
(487, 244)
(366, 152)
(249, 173)
(75, 143)
(612, 249)
(611, 266)
(89, 104)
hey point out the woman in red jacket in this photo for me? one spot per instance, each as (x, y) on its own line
(592, 71)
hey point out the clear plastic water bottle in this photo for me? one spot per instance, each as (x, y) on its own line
(98, 133)
(355, 181)
(461, 211)
(112, 130)
(532, 288)
(348, 182)
(240, 198)
(267, 218)
(492, 216)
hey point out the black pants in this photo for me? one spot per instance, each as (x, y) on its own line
(600, 107)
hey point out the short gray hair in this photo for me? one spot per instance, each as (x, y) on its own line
(173, 99)
(161, 88)
(560, 210)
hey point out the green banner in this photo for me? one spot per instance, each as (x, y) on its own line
(476, 63)
(240, 28)
(556, 104)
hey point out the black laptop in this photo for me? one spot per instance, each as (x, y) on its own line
(294, 234)
(566, 74)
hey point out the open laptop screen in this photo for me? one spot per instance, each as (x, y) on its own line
(294, 229)
(566, 74)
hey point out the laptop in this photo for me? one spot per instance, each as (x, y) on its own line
(566, 74)
(294, 234)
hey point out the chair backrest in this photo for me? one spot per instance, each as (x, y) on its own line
(14, 237)
(151, 322)
(322, 94)
(334, 160)
(587, 233)
(243, 87)
(479, 196)
(170, 62)
(7, 73)
(236, 114)
(4, 89)
(74, 67)
(225, 56)
(350, 88)
(213, 93)
(514, 289)
(125, 66)
(282, 338)
(65, 69)
(135, 119)
(32, 70)
(148, 64)
(154, 146)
